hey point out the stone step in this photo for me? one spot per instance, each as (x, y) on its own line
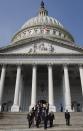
(42, 129)
(18, 121)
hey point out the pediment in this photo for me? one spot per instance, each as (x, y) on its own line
(43, 47)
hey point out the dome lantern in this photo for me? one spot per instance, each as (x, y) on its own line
(42, 4)
(43, 11)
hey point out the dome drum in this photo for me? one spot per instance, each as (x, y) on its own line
(40, 31)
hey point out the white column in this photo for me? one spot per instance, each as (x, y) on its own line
(20, 93)
(34, 86)
(81, 79)
(50, 89)
(63, 92)
(3, 72)
(67, 89)
(15, 107)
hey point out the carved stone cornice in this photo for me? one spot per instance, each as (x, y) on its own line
(21, 55)
(38, 39)
(21, 59)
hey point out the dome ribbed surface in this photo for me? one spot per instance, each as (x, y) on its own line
(39, 20)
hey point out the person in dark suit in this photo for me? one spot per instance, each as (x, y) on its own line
(45, 121)
(67, 117)
(51, 118)
(30, 118)
(38, 119)
(61, 108)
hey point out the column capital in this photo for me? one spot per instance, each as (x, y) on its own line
(34, 64)
(3, 65)
(19, 65)
(80, 65)
(65, 65)
(50, 64)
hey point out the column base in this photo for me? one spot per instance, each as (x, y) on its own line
(52, 108)
(68, 108)
(82, 108)
(30, 107)
(15, 108)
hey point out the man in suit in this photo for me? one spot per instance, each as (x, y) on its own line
(45, 120)
(30, 118)
(67, 117)
(38, 118)
(51, 118)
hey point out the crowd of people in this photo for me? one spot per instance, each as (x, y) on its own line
(40, 115)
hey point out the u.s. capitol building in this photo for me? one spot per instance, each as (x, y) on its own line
(42, 63)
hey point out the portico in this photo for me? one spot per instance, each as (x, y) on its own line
(41, 82)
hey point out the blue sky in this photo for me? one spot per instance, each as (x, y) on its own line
(14, 13)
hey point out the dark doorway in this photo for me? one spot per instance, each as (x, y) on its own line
(42, 101)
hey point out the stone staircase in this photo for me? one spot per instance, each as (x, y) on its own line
(18, 122)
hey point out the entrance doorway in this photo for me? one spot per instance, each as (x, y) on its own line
(42, 102)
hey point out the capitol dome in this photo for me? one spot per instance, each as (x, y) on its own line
(42, 25)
